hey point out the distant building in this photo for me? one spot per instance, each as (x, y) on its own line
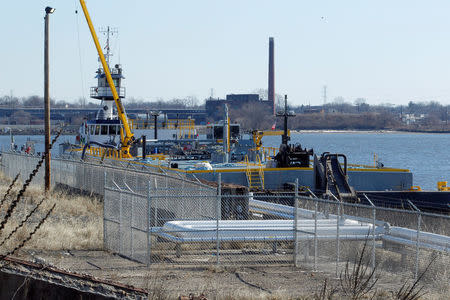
(409, 119)
(308, 109)
(214, 107)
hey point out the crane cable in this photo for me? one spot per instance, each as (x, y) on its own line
(79, 55)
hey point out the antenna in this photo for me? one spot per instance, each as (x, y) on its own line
(108, 32)
(212, 93)
(324, 95)
(286, 114)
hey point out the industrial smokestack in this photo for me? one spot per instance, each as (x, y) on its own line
(271, 89)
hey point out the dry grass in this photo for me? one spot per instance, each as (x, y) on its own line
(76, 223)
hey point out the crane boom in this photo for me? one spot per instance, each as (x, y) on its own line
(259, 134)
(128, 137)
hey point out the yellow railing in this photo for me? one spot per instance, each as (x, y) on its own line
(158, 157)
(248, 171)
(103, 152)
(115, 154)
(415, 188)
(251, 173)
(269, 151)
(260, 171)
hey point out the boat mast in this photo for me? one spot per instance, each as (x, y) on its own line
(108, 32)
(285, 115)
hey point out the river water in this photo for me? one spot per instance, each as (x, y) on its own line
(426, 155)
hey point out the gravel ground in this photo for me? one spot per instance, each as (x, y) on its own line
(169, 281)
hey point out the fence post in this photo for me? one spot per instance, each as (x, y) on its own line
(374, 214)
(104, 202)
(338, 250)
(83, 187)
(121, 225)
(155, 205)
(92, 180)
(419, 221)
(218, 209)
(296, 224)
(131, 199)
(148, 225)
(316, 204)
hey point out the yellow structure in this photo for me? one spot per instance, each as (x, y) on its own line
(127, 137)
(442, 186)
(255, 176)
(416, 188)
(259, 134)
(115, 154)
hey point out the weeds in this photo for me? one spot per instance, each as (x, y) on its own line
(30, 235)
(9, 190)
(7, 217)
(413, 291)
(23, 222)
(326, 292)
(359, 281)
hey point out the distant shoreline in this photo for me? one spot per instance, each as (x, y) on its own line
(386, 131)
(73, 130)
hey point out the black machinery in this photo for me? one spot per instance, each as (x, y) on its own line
(291, 156)
(331, 179)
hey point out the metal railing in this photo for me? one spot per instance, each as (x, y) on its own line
(105, 91)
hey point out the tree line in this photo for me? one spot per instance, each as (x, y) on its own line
(338, 114)
(342, 115)
(132, 103)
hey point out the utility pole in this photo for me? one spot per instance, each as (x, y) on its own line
(48, 11)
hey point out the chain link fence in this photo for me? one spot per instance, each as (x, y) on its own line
(158, 218)
(138, 203)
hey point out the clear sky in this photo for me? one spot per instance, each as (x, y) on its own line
(385, 51)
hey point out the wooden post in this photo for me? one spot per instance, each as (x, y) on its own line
(48, 11)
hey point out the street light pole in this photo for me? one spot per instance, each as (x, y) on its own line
(48, 11)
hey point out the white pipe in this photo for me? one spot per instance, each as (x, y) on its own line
(424, 237)
(282, 210)
(287, 212)
(407, 242)
(399, 235)
(281, 230)
(177, 239)
(265, 229)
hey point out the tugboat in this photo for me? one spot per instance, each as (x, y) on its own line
(103, 130)
(107, 133)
